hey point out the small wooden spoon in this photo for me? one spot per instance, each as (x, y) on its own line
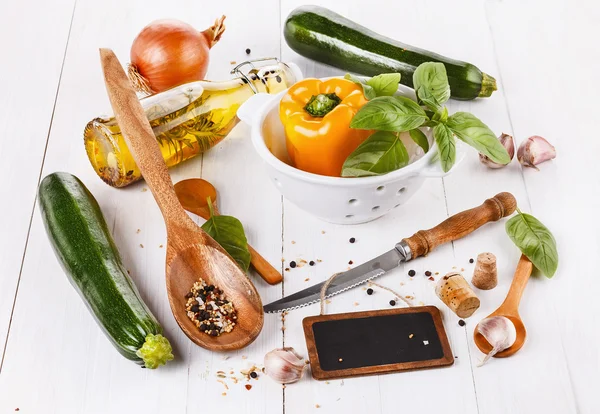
(192, 195)
(510, 310)
(191, 253)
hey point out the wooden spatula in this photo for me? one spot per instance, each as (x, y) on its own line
(191, 253)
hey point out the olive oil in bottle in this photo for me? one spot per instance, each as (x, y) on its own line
(186, 120)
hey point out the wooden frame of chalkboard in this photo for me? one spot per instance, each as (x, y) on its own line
(353, 344)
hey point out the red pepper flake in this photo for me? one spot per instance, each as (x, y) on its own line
(431, 278)
(248, 387)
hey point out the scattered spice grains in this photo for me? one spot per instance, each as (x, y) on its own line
(411, 273)
(248, 51)
(160, 246)
(411, 336)
(293, 242)
(350, 262)
(461, 322)
(248, 387)
(432, 278)
(292, 264)
(141, 245)
(307, 279)
(317, 406)
(287, 269)
(311, 263)
(340, 360)
(209, 309)
(137, 231)
(471, 260)
(427, 273)
(352, 240)
(392, 302)
(369, 291)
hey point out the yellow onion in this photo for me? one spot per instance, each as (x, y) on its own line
(168, 53)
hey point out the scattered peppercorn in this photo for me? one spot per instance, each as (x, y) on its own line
(248, 51)
(352, 240)
(471, 260)
(369, 291)
(350, 262)
(461, 322)
(253, 374)
(292, 264)
(428, 273)
(248, 387)
(393, 302)
(411, 273)
(312, 263)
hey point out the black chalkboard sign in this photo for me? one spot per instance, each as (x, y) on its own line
(375, 342)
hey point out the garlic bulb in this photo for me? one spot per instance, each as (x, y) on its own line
(508, 143)
(284, 365)
(500, 332)
(535, 150)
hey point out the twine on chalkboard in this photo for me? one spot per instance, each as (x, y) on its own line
(328, 282)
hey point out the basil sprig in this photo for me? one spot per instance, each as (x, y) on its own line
(399, 114)
(229, 233)
(385, 84)
(535, 241)
(380, 153)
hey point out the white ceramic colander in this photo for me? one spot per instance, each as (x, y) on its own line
(335, 199)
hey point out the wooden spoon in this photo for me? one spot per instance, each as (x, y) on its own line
(191, 253)
(510, 310)
(192, 195)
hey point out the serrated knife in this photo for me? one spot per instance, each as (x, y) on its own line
(419, 244)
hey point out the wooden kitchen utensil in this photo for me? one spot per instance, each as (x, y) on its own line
(193, 194)
(191, 253)
(510, 310)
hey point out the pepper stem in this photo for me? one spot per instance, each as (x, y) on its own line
(156, 351)
(321, 104)
(488, 85)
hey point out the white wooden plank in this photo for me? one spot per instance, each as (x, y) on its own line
(65, 358)
(453, 387)
(29, 77)
(546, 80)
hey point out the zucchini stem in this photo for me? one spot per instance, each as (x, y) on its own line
(156, 351)
(488, 85)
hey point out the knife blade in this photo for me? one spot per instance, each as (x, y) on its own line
(419, 244)
(343, 281)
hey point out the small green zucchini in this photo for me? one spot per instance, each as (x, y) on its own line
(322, 35)
(84, 247)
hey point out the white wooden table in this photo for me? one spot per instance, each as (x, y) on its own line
(55, 359)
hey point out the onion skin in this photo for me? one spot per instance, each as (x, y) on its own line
(169, 52)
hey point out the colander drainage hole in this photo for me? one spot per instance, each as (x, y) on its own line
(352, 201)
(381, 188)
(397, 205)
(375, 208)
(400, 191)
(349, 215)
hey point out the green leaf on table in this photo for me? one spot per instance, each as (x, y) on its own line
(430, 82)
(381, 153)
(368, 90)
(535, 241)
(229, 233)
(420, 138)
(446, 146)
(471, 130)
(385, 84)
(389, 113)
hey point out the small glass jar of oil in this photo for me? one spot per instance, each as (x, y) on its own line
(187, 120)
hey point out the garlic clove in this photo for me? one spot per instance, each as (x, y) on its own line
(535, 150)
(500, 332)
(284, 365)
(508, 143)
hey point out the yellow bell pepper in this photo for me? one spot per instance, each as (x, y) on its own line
(316, 116)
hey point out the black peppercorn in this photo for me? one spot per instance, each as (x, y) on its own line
(461, 322)
(312, 263)
(411, 273)
(292, 264)
(195, 308)
(350, 262)
(253, 374)
(248, 51)
(189, 295)
(428, 273)
(393, 302)
(471, 260)
(352, 240)
(369, 291)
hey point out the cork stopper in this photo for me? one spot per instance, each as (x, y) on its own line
(485, 275)
(456, 293)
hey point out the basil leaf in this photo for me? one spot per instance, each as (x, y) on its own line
(229, 233)
(368, 90)
(441, 116)
(381, 153)
(471, 130)
(385, 84)
(390, 113)
(426, 98)
(420, 138)
(535, 241)
(430, 81)
(446, 146)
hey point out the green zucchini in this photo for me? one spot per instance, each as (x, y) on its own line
(85, 249)
(322, 35)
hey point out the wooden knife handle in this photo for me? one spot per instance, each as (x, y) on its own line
(461, 224)
(264, 268)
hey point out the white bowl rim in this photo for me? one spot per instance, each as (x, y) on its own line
(261, 147)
